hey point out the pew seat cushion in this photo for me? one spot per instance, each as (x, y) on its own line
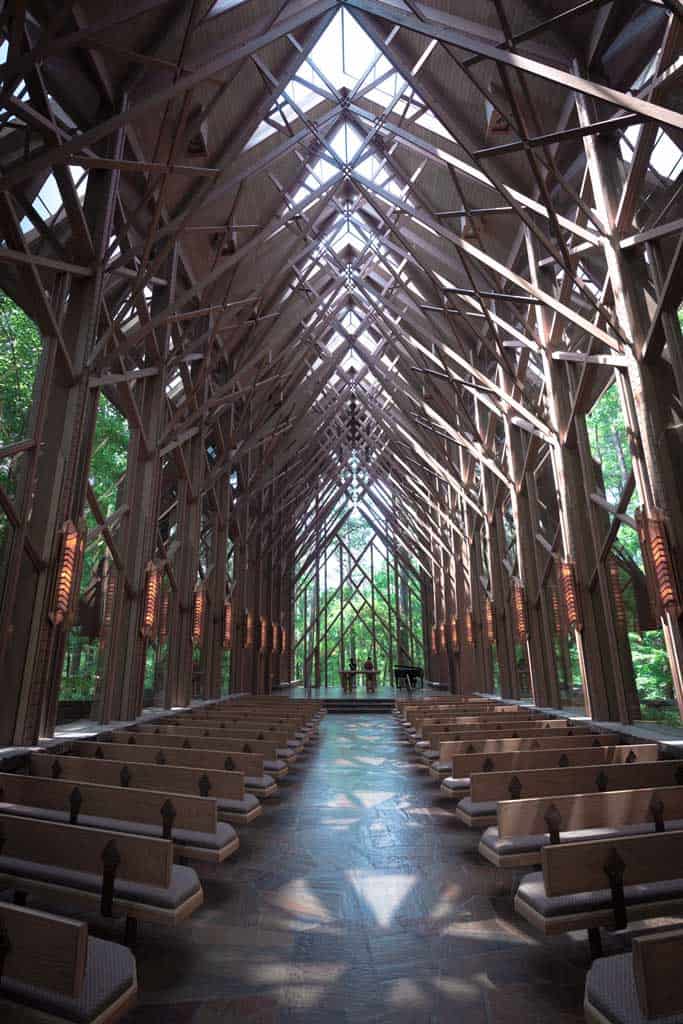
(531, 891)
(246, 805)
(478, 808)
(456, 785)
(109, 973)
(429, 755)
(611, 990)
(515, 845)
(223, 837)
(184, 882)
(260, 782)
(444, 768)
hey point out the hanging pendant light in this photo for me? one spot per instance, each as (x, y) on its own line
(263, 638)
(658, 558)
(570, 595)
(198, 606)
(433, 644)
(70, 556)
(469, 628)
(250, 631)
(557, 611)
(227, 626)
(163, 615)
(109, 600)
(617, 593)
(276, 637)
(455, 639)
(520, 616)
(150, 604)
(442, 637)
(490, 621)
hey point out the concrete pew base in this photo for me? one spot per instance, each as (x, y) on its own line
(525, 851)
(455, 789)
(554, 915)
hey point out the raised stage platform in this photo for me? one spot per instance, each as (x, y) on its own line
(336, 700)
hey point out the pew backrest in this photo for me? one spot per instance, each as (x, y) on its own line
(586, 867)
(657, 960)
(44, 950)
(272, 734)
(465, 765)
(247, 745)
(614, 809)
(138, 858)
(219, 785)
(493, 786)
(452, 748)
(153, 753)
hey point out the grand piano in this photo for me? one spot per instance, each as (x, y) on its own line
(408, 676)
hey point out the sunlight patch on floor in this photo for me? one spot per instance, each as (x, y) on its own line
(382, 893)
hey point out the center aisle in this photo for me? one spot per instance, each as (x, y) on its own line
(357, 897)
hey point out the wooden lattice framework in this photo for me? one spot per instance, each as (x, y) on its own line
(193, 280)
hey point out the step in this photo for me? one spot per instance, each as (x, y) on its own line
(356, 705)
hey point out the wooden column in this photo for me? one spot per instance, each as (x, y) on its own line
(67, 415)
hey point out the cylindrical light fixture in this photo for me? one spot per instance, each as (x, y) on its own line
(276, 637)
(227, 626)
(557, 611)
(150, 604)
(263, 638)
(283, 636)
(519, 607)
(659, 563)
(490, 621)
(109, 599)
(469, 628)
(442, 637)
(70, 554)
(433, 640)
(455, 639)
(617, 592)
(570, 595)
(250, 631)
(198, 606)
(163, 615)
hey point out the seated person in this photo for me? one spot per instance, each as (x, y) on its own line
(370, 675)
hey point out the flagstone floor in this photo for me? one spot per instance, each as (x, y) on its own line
(357, 897)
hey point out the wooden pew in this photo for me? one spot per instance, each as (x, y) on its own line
(465, 765)
(526, 826)
(97, 869)
(225, 788)
(289, 727)
(635, 987)
(191, 822)
(448, 749)
(433, 753)
(228, 744)
(485, 745)
(249, 765)
(603, 883)
(487, 788)
(458, 715)
(301, 720)
(286, 748)
(52, 971)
